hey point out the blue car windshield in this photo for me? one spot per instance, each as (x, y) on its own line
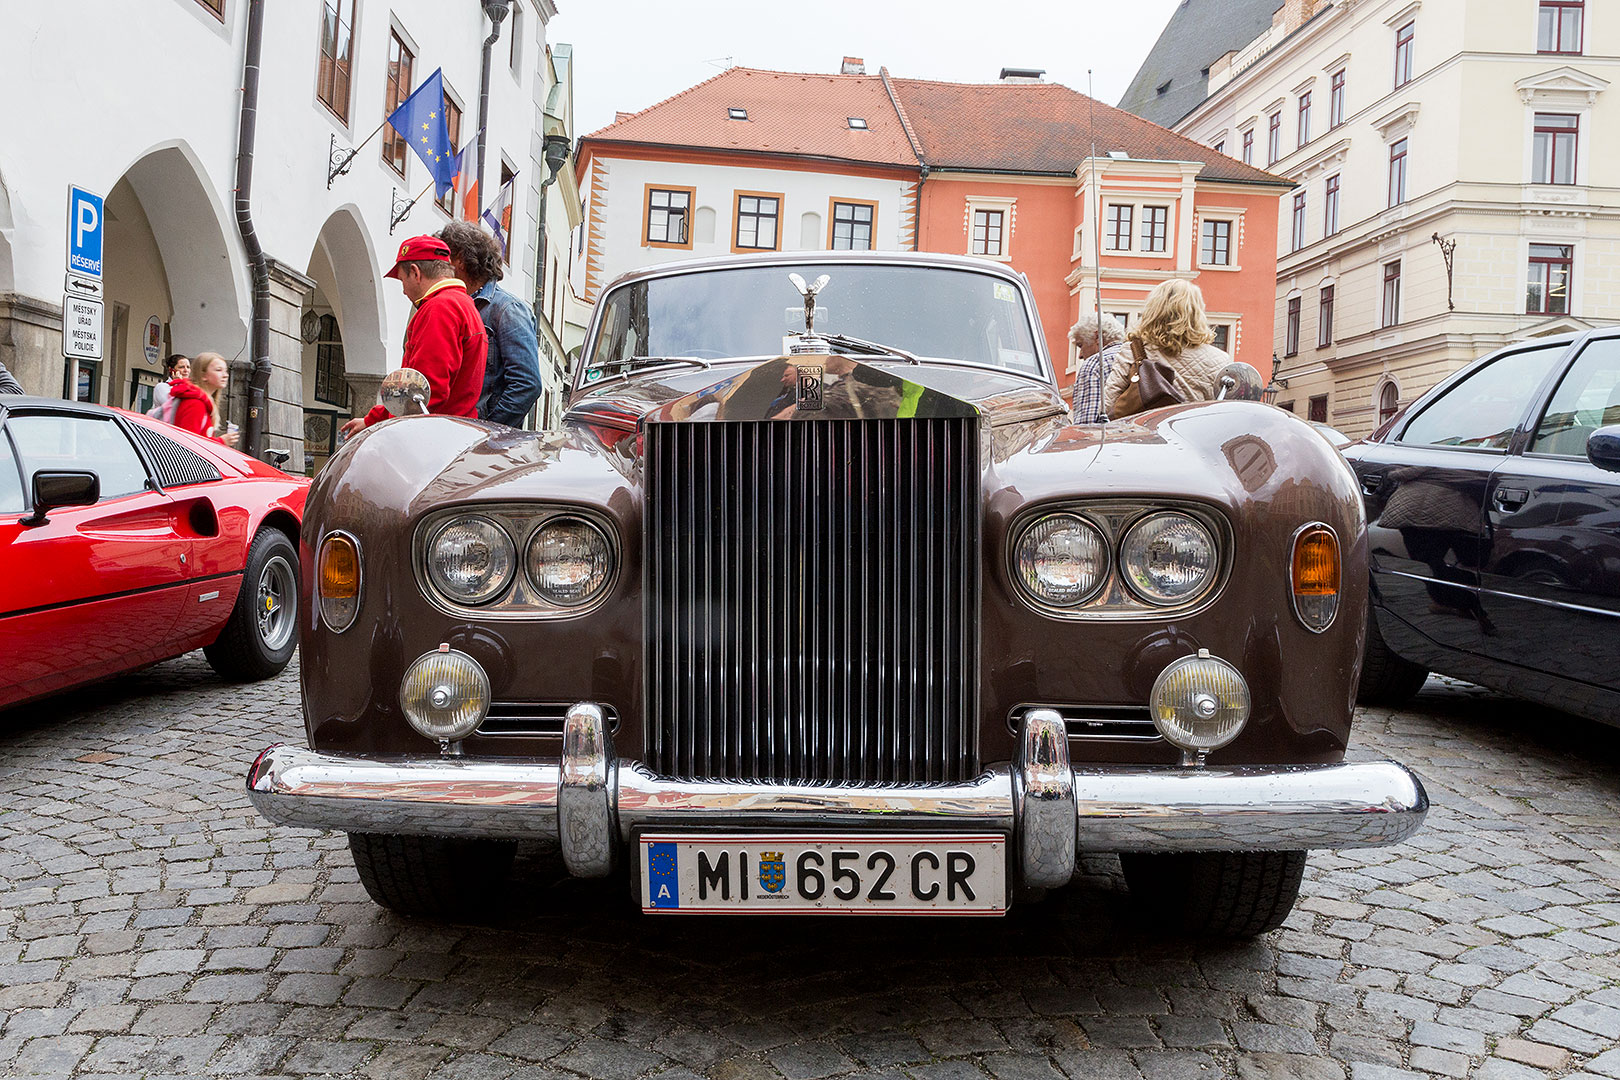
(935, 312)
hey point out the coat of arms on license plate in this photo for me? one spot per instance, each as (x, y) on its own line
(772, 871)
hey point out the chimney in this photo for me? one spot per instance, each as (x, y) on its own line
(1022, 75)
(622, 115)
(852, 65)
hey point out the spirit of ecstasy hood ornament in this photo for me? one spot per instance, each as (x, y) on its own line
(809, 293)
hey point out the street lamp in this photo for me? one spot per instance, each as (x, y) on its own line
(1276, 385)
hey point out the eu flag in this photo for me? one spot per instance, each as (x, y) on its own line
(420, 121)
(663, 876)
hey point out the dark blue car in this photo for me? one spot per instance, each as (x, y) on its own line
(1493, 511)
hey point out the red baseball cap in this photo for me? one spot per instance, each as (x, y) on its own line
(420, 249)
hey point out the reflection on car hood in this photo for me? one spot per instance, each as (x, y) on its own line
(816, 387)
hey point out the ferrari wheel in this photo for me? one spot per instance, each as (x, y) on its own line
(1232, 894)
(431, 876)
(259, 639)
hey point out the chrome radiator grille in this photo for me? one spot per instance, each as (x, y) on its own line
(812, 600)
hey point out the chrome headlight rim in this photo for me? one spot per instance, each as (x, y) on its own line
(436, 534)
(1022, 534)
(563, 518)
(335, 625)
(1216, 563)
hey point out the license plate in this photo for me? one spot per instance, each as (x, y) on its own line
(799, 874)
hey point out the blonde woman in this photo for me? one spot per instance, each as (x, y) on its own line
(198, 401)
(1173, 328)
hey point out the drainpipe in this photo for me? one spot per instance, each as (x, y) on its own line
(496, 10)
(247, 129)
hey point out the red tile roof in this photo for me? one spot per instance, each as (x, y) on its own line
(1043, 128)
(1017, 126)
(788, 113)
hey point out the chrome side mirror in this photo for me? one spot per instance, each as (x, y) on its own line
(1239, 382)
(405, 392)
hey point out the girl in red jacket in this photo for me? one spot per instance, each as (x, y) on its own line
(198, 402)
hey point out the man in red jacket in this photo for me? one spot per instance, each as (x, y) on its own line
(444, 339)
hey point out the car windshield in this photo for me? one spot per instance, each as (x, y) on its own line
(719, 314)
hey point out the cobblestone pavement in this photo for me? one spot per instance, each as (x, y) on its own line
(151, 924)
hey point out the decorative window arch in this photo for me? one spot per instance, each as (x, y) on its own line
(1389, 401)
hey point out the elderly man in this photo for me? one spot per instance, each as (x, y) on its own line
(1095, 343)
(444, 338)
(512, 370)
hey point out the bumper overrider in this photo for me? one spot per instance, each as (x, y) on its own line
(592, 806)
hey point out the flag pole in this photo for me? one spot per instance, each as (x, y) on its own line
(336, 167)
(402, 211)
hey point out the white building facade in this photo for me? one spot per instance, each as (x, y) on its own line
(1456, 187)
(148, 116)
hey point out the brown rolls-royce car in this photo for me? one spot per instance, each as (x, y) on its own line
(817, 602)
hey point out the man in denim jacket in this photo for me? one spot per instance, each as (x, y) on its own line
(512, 370)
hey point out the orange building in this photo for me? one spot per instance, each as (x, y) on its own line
(1005, 170)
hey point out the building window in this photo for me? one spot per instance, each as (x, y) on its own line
(514, 31)
(1336, 100)
(1403, 55)
(1557, 136)
(1324, 318)
(1119, 228)
(669, 217)
(1392, 294)
(218, 9)
(1223, 336)
(452, 123)
(1397, 173)
(400, 61)
(331, 380)
(736, 113)
(988, 228)
(1274, 138)
(852, 226)
(1558, 29)
(1155, 227)
(1298, 234)
(1389, 403)
(1248, 147)
(1304, 118)
(1330, 206)
(1215, 243)
(332, 74)
(1551, 268)
(756, 221)
(1291, 334)
(1220, 147)
(1316, 409)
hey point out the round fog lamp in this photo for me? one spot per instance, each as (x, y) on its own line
(570, 562)
(445, 695)
(1062, 560)
(1199, 703)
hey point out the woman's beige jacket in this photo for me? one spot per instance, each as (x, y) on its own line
(1198, 373)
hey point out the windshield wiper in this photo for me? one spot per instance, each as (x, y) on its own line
(619, 367)
(869, 348)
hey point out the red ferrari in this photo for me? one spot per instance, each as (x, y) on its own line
(125, 541)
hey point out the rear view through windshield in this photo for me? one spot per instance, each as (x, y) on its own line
(720, 314)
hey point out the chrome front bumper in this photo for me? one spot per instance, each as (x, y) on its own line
(592, 806)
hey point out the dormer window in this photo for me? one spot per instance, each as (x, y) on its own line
(734, 113)
(857, 123)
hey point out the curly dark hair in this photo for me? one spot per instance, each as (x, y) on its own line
(475, 248)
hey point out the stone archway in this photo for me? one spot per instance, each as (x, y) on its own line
(344, 356)
(169, 266)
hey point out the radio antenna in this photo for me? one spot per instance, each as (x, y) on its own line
(1096, 198)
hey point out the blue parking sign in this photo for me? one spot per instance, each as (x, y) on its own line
(84, 233)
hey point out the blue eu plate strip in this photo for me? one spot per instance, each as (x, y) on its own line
(663, 878)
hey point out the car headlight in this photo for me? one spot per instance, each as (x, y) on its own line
(1199, 703)
(1062, 559)
(445, 694)
(1168, 558)
(337, 581)
(471, 559)
(570, 561)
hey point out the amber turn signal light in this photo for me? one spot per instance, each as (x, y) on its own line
(337, 581)
(1316, 573)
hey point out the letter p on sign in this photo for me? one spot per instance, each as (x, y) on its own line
(84, 232)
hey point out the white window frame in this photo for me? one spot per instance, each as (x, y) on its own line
(1008, 208)
(1234, 216)
(1137, 201)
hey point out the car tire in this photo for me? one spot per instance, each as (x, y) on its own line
(431, 876)
(1232, 894)
(259, 639)
(1386, 679)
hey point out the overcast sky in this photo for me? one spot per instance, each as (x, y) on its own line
(629, 54)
